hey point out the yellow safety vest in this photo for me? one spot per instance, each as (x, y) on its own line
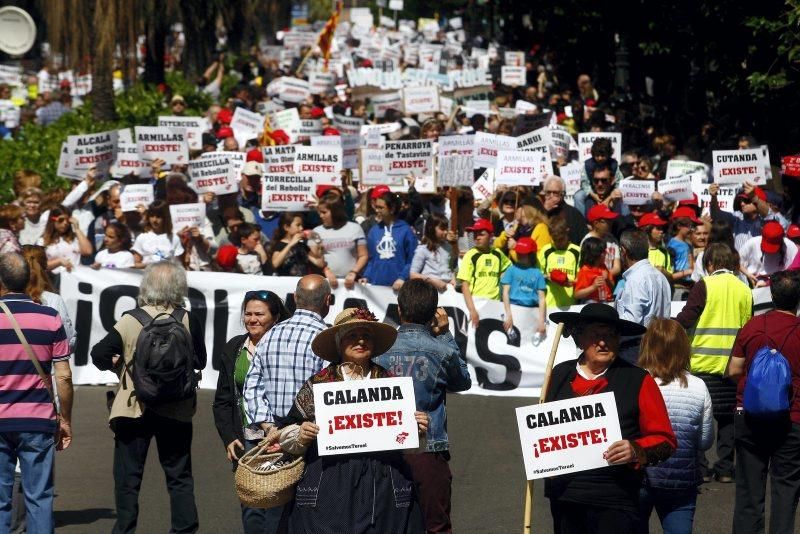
(659, 257)
(729, 305)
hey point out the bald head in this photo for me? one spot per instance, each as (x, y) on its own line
(312, 294)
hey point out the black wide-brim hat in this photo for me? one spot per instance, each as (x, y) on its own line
(598, 313)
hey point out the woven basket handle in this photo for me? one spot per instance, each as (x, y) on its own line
(272, 438)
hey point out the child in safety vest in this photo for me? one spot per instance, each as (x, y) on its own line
(559, 262)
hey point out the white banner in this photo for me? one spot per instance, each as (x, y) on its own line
(366, 416)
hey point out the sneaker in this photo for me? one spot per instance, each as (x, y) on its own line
(724, 479)
(706, 479)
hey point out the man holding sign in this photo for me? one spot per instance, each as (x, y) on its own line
(347, 485)
(603, 498)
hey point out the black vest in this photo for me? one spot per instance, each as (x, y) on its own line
(610, 487)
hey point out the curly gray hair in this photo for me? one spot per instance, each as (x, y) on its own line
(163, 285)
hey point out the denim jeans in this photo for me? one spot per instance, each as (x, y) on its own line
(260, 520)
(675, 509)
(35, 451)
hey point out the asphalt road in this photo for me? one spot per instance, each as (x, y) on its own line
(488, 474)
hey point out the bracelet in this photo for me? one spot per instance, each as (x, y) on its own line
(353, 272)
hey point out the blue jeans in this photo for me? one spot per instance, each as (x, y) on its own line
(260, 520)
(35, 451)
(675, 509)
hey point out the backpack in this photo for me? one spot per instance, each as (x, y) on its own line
(769, 382)
(163, 361)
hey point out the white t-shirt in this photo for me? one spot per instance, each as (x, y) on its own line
(341, 246)
(114, 260)
(249, 263)
(759, 264)
(31, 233)
(62, 249)
(157, 247)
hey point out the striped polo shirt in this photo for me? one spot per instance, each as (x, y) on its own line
(25, 404)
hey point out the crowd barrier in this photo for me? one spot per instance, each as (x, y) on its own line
(498, 365)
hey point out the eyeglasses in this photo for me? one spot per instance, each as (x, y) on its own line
(601, 180)
(554, 193)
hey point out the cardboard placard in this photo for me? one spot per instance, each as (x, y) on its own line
(542, 136)
(97, 150)
(246, 122)
(162, 142)
(195, 126)
(456, 170)
(127, 160)
(585, 141)
(348, 125)
(217, 172)
(567, 436)
(286, 192)
(287, 120)
(513, 76)
(681, 168)
(278, 159)
(409, 157)
(187, 215)
(456, 144)
(487, 145)
(725, 196)
(372, 168)
(571, 174)
(321, 83)
(514, 59)
(560, 143)
(738, 166)
(678, 188)
(324, 164)
(517, 167)
(383, 103)
(294, 90)
(309, 128)
(636, 192)
(365, 416)
(483, 187)
(134, 195)
(424, 99)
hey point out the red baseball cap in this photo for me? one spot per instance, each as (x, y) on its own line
(771, 237)
(481, 225)
(224, 132)
(255, 155)
(687, 212)
(690, 201)
(330, 131)
(600, 211)
(757, 191)
(525, 245)
(378, 191)
(793, 232)
(317, 113)
(651, 219)
(226, 256)
(225, 116)
(324, 188)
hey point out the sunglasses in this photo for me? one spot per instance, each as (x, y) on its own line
(261, 295)
(59, 219)
(601, 180)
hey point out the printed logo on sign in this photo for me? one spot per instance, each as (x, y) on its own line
(401, 437)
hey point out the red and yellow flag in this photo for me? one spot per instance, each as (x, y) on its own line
(326, 36)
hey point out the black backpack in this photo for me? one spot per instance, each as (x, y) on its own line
(163, 362)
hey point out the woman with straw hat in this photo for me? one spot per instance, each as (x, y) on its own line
(354, 493)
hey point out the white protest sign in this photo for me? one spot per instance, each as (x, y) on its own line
(309, 128)
(560, 143)
(93, 150)
(162, 142)
(483, 187)
(456, 170)
(287, 120)
(487, 145)
(348, 143)
(294, 90)
(636, 192)
(585, 141)
(516, 167)
(195, 126)
(567, 436)
(738, 166)
(678, 188)
(187, 215)
(725, 196)
(682, 167)
(324, 164)
(278, 159)
(514, 59)
(383, 103)
(523, 106)
(396, 5)
(128, 161)
(542, 136)
(456, 144)
(361, 16)
(571, 174)
(135, 194)
(217, 172)
(321, 82)
(372, 169)
(348, 125)
(10, 113)
(66, 165)
(286, 192)
(247, 123)
(365, 416)
(513, 76)
(423, 99)
(765, 160)
(409, 157)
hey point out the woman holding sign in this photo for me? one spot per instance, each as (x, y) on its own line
(354, 493)
(607, 499)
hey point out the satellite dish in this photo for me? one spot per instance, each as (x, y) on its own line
(17, 31)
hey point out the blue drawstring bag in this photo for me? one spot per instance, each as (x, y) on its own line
(769, 382)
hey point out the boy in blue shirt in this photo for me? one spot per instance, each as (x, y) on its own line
(524, 284)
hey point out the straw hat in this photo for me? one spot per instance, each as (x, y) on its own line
(383, 335)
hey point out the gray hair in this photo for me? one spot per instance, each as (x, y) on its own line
(163, 285)
(635, 244)
(553, 178)
(15, 273)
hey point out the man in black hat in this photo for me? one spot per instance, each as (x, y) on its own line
(610, 495)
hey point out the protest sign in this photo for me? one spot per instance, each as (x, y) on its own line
(513, 76)
(372, 169)
(790, 166)
(737, 166)
(483, 187)
(162, 142)
(217, 172)
(366, 416)
(287, 120)
(396, 5)
(456, 144)
(517, 167)
(246, 122)
(455, 170)
(530, 122)
(409, 157)
(278, 159)
(187, 215)
(348, 143)
(487, 145)
(765, 160)
(384, 102)
(348, 125)
(678, 188)
(133, 195)
(423, 99)
(324, 164)
(127, 160)
(567, 436)
(195, 126)
(97, 150)
(636, 192)
(725, 196)
(542, 136)
(514, 59)
(286, 192)
(571, 174)
(309, 128)
(10, 113)
(560, 143)
(585, 141)
(66, 164)
(293, 89)
(683, 167)
(321, 82)
(523, 106)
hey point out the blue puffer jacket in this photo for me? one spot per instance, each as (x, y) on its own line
(690, 414)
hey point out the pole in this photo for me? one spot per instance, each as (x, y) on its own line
(548, 370)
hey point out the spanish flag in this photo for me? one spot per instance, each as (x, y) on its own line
(266, 135)
(326, 37)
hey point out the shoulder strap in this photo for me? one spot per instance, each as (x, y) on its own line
(29, 351)
(178, 314)
(140, 315)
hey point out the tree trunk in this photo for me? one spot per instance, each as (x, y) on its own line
(105, 38)
(156, 30)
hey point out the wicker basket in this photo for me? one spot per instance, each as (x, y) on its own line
(267, 489)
